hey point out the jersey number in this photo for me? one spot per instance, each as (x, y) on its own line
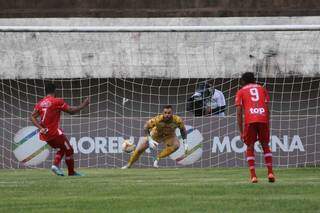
(254, 94)
(44, 114)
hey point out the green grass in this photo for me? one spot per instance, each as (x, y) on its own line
(160, 190)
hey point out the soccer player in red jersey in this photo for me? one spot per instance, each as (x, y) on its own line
(49, 109)
(252, 102)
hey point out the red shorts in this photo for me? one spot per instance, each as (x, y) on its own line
(256, 131)
(60, 142)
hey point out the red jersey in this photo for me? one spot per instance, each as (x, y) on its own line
(49, 109)
(254, 100)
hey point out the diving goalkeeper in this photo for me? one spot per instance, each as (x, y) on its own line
(161, 129)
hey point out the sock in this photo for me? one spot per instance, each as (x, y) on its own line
(166, 152)
(70, 164)
(57, 158)
(268, 158)
(134, 157)
(251, 161)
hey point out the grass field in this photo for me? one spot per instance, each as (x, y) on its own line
(160, 190)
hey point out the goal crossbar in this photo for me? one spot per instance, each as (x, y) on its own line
(233, 28)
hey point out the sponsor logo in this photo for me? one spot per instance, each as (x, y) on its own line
(286, 144)
(258, 111)
(89, 145)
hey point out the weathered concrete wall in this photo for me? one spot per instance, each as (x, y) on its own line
(157, 8)
(162, 55)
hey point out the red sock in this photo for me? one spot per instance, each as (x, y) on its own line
(268, 158)
(70, 164)
(250, 159)
(57, 158)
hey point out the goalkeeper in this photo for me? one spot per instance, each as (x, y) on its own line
(161, 129)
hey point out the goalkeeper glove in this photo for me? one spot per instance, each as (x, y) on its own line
(151, 143)
(185, 144)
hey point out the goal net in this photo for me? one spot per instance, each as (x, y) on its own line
(129, 76)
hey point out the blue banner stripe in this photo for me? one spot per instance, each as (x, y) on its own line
(30, 135)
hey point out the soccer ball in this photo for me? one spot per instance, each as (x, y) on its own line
(28, 148)
(128, 146)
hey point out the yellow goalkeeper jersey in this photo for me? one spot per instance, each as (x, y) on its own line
(164, 128)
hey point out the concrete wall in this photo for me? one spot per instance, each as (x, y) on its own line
(157, 8)
(158, 55)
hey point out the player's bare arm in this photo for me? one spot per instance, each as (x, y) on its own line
(74, 110)
(239, 119)
(34, 119)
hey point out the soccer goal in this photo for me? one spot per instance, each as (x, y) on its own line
(129, 73)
